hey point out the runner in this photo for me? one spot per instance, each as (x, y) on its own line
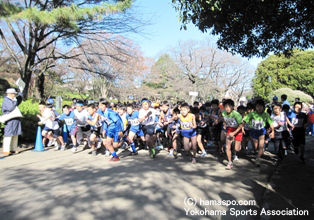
(94, 121)
(299, 121)
(188, 131)
(48, 118)
(135, 129)
(233, 121)
(257, 121)
(147, 117)
(281, 136)
(113, 124)
(69, 119)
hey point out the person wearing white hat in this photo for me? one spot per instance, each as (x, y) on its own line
(12, 127)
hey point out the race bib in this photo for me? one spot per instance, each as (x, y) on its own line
(231, 122)
(186, 125)
(69, 121)
(134, 122)
(297, 122)
(257, 125)
(278, 119)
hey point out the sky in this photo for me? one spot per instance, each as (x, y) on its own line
(164, 32)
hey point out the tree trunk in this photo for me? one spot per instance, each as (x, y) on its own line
(27, 79)
(40, 84)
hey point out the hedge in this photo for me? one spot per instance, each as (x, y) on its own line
(292, 95)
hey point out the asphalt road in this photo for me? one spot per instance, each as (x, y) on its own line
(63, 185)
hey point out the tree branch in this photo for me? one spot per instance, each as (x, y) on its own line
(11, 52)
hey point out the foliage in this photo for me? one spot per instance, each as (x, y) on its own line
(292, 95)
(31, 31)
(295, 72)
(252, 28)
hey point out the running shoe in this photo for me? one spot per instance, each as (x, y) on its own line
(134, 153)
(50, 143)
(63, 147)
(175, 154)
(193, 160)
(258, 162)
(107, 153)
(235, 158)
(94, 153)
(203, 154)
(229, 166)
(114, 159)
(57, 146)
(170, 153)
(153, 153)
(74, 149)
(160, 147)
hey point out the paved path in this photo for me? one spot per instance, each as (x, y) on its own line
(63, 185)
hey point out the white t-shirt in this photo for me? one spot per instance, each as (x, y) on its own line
(82, 116)
(51, 124)
(151, 119)
(280, 118)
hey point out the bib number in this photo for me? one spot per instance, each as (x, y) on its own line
(186, 125)
(68, 121)
(257, 125)
(134, 122)
(231, 122)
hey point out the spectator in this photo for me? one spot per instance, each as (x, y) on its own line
(284, 100)
(310, 121)
(13, 127)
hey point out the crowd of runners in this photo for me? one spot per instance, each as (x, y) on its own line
(179, 128)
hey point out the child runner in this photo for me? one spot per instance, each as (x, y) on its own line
(147, 117)
(174, 132)
(257, 120)
(188, 130)
(299, 121)
(70, 122)
(233, 121)
(47, 118)
(95, 123)
(200, 123)
(122, 112)
(246, 130)
(310, 121)
(216, 123)
(281, 136)
(135, 129)
(114, 129)
(81, 115)
(241, 109)
(164, 120)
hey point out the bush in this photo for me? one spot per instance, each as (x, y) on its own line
(29, 110)
(292, 95)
